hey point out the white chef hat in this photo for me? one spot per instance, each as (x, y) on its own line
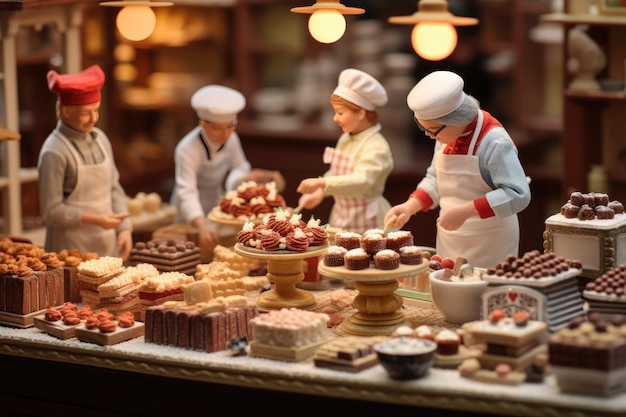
(361, 89)
(436, 95)
(217, 104)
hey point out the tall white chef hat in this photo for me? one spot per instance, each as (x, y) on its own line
(436, 95)
(361, 89)
(217, 104)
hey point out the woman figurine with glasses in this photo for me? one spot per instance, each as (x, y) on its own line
(360, 162)
(210, 159)
(475, 177)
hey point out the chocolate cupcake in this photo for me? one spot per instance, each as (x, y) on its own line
(387, 259)
(334, 255)
(396, 240)
(356, 259)
(348, 240)
(411, 255)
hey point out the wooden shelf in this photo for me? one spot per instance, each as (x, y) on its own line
(599, 20)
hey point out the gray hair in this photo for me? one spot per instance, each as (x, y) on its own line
(463, 115)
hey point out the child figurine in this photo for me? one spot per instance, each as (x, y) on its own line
(475, 177)
(361, 161)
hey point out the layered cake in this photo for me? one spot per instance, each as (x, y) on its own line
(606, 293)
(511, 346)
(589, 355)
(199, 322)
(224, 280)
(591, 228)
(167, 255)
(95, 272)
(288, 334)
(157, 289)
(250, 200)
(352, 354)
(31, 280)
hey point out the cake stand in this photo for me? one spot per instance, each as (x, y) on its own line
(379, 307)
(284, 270)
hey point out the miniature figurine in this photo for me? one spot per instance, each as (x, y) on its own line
(361, 161)
(210, 159)
(82, 203)
(475, 177)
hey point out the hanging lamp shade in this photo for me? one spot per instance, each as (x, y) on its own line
(434, 36)
(136, 21)
(327, 23)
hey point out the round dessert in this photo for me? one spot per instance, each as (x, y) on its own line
(604, 212)
(586, 213)
(617, 207)
(570, 210)
(411, 255)
(334, 255)
(386, 259)
(406, 357)
(297, 240)
(399, 239)
(576, 198)
(348, 240)
(356, 259)
(601, 199)
(448, 342)
(373, 242)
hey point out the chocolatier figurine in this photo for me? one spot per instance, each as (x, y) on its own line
(82, 203)
(210, 159)
(361, 161)
(475, 177)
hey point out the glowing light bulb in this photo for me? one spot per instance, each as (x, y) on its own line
(136, 23)
(433, 40)
(327, 26)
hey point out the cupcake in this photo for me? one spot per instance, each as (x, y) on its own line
(448, 342)
(373, 242)
(411, 255)
(334, 255)
(399, 239)
(386, 259)
(348, 240)
(424, 332)
(356, 259)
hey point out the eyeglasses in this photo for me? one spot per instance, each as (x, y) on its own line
(425, 130)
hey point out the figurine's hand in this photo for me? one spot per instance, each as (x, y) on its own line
(310, 185)
(453, 218)
(107, 221)
(125, 243)
(311, 200)
(398, 215)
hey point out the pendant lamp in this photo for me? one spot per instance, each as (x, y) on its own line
(434, 35)
(136, 21)
(327, 23)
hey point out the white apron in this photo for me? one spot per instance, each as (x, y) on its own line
(92, 194)
(355, 214)
(483, 242)
(210, 179)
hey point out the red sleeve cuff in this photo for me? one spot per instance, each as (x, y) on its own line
(423, 197)
(483, 208)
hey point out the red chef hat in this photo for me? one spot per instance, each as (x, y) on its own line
(77, 89)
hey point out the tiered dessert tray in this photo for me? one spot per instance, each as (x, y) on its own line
(379, 307)
(284, 270)
(554, 300)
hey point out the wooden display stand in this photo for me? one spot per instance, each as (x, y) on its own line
(380, 308)
(284, 270)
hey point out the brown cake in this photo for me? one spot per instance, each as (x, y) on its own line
(167, 255)
(570, 210)
(357, 259)
(586, 212)
(601, 199)
(334, 256)
(399, 239)
(604, 213)
(617, 206)
(348, 240)
(448, 342)
(372, 242)
(411, 255)
(386, 259)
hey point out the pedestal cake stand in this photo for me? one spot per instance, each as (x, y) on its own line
(379, 307)
(284, 270)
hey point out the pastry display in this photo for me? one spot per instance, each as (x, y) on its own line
(157, 289)
(589, 355)
(249, 201)
(61, 322)
(104, 329)
(589, 228)
(351, 354)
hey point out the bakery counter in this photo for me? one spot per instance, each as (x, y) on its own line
(45, 376)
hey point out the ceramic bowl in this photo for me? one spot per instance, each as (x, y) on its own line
(459, 302)
(406, 357)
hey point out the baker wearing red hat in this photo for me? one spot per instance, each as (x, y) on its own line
(209, 159)
(475, 177)
(82, 203)
(360, 162)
